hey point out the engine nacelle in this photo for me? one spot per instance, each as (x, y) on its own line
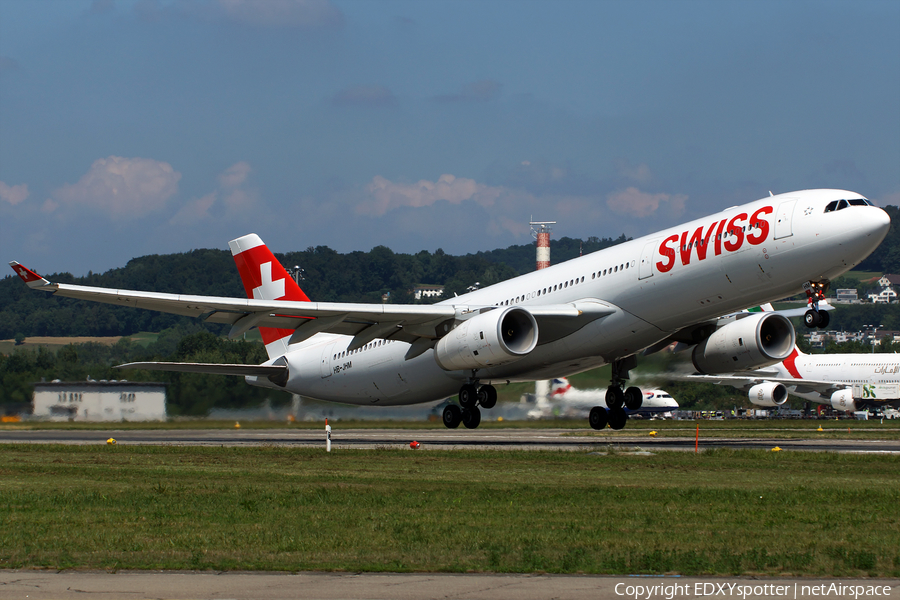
(843, 400)
(749, 343)
(496, 337)
(768, 394)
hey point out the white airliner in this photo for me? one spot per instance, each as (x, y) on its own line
(566, 398)
(846, 382)
(601, 308)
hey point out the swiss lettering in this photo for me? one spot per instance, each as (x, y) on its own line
(762, 224)
(668, 253)
(735, 233)
(726, 235)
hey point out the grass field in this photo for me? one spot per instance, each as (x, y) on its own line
(719, 512)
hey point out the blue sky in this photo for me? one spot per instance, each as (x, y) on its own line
(155, 126)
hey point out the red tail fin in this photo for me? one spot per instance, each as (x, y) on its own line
(265, 279)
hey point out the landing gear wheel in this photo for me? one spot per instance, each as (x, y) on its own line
(824, 319)
(452, 416)
(617, 418)
(487, 396)
(598, 418)
(615, 397)
(634, 398)
(810, 318)
(468, 395)
(471, 417)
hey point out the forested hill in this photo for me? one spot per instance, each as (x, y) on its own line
(329, 276)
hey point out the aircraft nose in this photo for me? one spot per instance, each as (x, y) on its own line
(881, 222)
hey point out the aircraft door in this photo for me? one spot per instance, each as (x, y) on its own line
(645, 269)
(783, 226)
(327, 353)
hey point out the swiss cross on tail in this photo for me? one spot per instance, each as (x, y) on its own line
(265, 279)
(28, 276)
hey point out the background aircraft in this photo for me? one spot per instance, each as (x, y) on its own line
(566, 400)
(846, 382)
(597, 309)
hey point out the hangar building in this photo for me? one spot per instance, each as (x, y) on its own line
(100, 401)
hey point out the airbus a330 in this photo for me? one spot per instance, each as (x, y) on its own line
(602, 308)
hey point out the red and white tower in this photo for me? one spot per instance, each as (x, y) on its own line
(541, 231)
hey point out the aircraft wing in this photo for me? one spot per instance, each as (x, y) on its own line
(404, 322)
(745, 382)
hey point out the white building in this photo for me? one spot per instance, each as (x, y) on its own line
(847, 296)
(885, 296)
(428, 291)
(100, 401)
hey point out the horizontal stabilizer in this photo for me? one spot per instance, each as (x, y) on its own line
(210, 368)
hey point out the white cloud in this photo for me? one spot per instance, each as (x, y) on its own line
(14, 194)
(232, 199)
(194, 211)
(635, 203)
(387, 195)
(235, 175)
(125, 188)
(283, 13)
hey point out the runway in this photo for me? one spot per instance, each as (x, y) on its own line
(47, 585)
(478, 439)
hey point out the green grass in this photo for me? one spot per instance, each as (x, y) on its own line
(719, 512)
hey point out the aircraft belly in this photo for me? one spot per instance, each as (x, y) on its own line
(382, 377)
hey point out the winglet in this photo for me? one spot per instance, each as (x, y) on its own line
(32, 279)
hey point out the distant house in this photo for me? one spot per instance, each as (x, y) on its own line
(885, 296)
(100, 401)
(887, 293)
(428, 291)
(889, 281)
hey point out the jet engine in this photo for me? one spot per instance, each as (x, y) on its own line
(750, 343)
(768, 394)
(492, 338)
(843, 400)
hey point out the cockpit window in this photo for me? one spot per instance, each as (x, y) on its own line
(842, 204)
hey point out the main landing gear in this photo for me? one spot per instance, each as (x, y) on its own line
(617, 399)
(471, 396)
(815, 291)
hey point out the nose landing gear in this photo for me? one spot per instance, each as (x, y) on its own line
(815, 292)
